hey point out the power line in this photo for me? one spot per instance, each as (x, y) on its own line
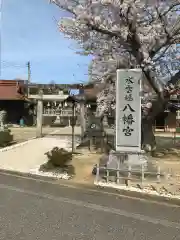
(15, 67)
(13, 64)
(29, 75)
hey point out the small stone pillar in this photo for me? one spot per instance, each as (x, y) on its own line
(105, 121)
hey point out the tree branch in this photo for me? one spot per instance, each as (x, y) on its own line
(60, 5)
(177, 38)
(138, 51)
(173, 5)
(163, 23)
(175, 78)
(170, 37)
(176, 28)
(133, 37)
(105, 31)
(162, 54)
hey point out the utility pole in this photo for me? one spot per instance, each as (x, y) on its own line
(82, 110)
(29, 77)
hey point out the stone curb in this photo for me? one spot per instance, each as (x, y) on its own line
(142, 195)
(123, 192)
(30, 175)
(16, 145)
(96, 188)
(19, 144)
(30, 139)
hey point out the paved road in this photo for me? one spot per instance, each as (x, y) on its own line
(32, 209)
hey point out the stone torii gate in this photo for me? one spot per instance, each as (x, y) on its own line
(40, 98)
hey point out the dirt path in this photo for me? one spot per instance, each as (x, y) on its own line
(83, 167)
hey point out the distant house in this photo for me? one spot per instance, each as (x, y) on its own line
(13, 99)
(12, 89)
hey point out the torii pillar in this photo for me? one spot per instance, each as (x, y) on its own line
(39, 116)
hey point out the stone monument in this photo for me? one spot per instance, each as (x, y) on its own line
(5, 134)
(128, 121)
(3, 115)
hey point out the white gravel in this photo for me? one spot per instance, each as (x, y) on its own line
(134, 189)
(53, 174)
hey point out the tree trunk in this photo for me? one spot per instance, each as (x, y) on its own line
(148, 140)
(147, 135)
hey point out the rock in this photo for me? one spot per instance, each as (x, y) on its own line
(103, 160)
(113, 161)
(136, 161)
(5, 137)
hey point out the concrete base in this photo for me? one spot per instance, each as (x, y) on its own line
(5, 137)
(135, 161)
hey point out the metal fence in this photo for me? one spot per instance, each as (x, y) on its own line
(141, 176)
(127, 175)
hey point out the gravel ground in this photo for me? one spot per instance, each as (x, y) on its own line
(30, 155)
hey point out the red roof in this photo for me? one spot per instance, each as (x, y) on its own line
(9, 90)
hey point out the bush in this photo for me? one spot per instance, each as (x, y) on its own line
(59, 157)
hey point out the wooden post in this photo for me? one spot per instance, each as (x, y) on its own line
(82, 118)
(117, 173)
(39, 118)
(69, 121)
(107, 175)
(91, 144)
(158, 174)
(142, 174)
(129, 175)
(102, 144)
(73, 125)
(97, 173)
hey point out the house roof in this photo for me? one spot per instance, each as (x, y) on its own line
(9, 90)
(12, 82)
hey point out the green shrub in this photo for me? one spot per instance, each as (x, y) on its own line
(59, 157)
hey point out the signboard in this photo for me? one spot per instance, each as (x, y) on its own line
(128, 110)
(73, 92)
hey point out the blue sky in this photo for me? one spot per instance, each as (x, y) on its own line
(29, 33)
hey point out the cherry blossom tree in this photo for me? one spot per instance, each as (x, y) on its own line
(128, 34)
